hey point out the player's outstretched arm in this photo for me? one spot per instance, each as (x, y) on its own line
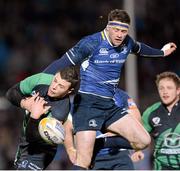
(147, 51)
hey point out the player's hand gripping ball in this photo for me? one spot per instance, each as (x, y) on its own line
(51, 130)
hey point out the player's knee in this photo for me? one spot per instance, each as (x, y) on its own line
(147, 140)
(83, 161)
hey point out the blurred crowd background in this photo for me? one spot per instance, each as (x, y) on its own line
(33, 33)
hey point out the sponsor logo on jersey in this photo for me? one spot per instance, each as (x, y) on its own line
(103, 51)
(170, 151)
(172, 140)
(114, 55)
(114, 61)
(92, 123)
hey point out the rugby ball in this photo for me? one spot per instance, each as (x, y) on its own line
(51, 130)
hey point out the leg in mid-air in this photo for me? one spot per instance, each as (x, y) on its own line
(132, 130)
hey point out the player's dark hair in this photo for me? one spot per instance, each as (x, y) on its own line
(119, 15)
(169, 75)
(71, 75)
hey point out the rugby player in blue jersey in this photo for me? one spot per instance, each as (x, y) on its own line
(101, 57)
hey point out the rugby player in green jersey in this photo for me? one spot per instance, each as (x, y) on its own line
(162, 121)
(42, 95)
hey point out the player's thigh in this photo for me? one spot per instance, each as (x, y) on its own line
(130, 128)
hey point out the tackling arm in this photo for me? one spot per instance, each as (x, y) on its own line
(58, 64)
(14, 95)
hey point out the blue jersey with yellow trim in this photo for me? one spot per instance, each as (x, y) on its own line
(101, 63)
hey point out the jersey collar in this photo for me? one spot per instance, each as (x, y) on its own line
(105, 37)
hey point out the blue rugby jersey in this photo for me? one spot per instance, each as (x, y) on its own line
(101, 62)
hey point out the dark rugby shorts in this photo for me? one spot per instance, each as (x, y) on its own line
(93, 112)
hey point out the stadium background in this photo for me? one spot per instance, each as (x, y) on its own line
(35, 32)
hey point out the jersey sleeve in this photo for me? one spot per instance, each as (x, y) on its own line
(145, 120)
(144, 50)
(74, 56)
(82, 50)
(146, 116)
(27, 85)
(148, 51)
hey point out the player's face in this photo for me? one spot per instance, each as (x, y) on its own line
(59, 87)
(116, 35)
(168, 91)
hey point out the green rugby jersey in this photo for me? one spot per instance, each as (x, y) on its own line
(164, 127)
(59, 109)
(40, 83)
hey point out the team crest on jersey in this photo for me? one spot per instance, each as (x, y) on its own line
(103, 51)
(156, 121)
(124, 50)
